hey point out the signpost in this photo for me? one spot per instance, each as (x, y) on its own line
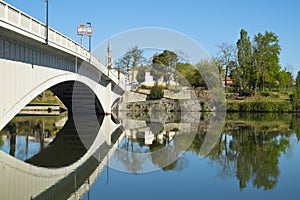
(84, 30)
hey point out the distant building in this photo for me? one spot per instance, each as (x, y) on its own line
(229, 81)
(149, 81)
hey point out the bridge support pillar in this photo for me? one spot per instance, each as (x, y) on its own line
(108, 99)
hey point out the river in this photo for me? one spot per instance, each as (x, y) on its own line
(256, 156)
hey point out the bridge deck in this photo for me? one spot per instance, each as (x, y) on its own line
(19, 22)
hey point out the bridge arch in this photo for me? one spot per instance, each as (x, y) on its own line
(28, 81)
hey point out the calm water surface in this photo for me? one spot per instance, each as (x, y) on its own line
(255, 157)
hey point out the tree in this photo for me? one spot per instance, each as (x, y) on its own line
(140, 77)
(295, 97)
(188, 74)
(244, 53)
(284, 79)
(266, 53)
(132, 59)
(227, 58)
(124, 63)
(166, 61)
(298, 80)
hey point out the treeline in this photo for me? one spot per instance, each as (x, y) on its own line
(246, 67)
(254, 65)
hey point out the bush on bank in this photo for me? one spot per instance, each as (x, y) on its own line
(259, 106)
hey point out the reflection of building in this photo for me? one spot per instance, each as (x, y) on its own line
(148, 137)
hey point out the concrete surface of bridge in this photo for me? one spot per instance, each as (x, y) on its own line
(29, 66)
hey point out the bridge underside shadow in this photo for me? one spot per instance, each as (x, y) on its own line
(85, 174)
(68, 146)
(79, 132)
(76, 95)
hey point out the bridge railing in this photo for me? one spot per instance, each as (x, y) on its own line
(37, 29)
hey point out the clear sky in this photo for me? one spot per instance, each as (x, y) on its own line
(208, 22)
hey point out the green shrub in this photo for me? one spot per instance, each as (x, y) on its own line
(233, 107)
(145, 87)
(265, 93)
(260, 106)
(156, 93)
(247, 93)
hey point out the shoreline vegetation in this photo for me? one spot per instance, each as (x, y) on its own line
(270, 102)
(258, 104)
(279, 102)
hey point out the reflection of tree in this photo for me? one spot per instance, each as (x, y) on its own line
(251, 155)
(295, 125)
(12, 129)
(127, 155)
(167, 156)
(248, 149)
(164, 157)
(155, 127)
(28, 126)
(178, 165)
(1, 140)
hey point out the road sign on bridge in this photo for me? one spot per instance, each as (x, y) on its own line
(83, 30)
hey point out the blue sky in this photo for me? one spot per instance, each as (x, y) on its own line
(208, 22)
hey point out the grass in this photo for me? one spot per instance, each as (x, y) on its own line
(266, 102)
(47, 98)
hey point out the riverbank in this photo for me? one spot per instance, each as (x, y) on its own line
(259, 105)
(44, 104)
(41, 109)
(140, 102)
(272, 102)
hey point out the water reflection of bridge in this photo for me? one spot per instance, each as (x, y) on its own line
(65, 169)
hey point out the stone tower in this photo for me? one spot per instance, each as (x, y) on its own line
(109, 58)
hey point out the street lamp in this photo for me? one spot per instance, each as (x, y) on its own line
(89, 33)
(47, 21)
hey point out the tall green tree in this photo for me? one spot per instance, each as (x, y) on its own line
(227, 58)
(266, 53)
(165, 62)
(140, 77)
(298, 80)
(132, 59)
(296, 94)
(284, 79)
(189, 75)
(244, 53)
